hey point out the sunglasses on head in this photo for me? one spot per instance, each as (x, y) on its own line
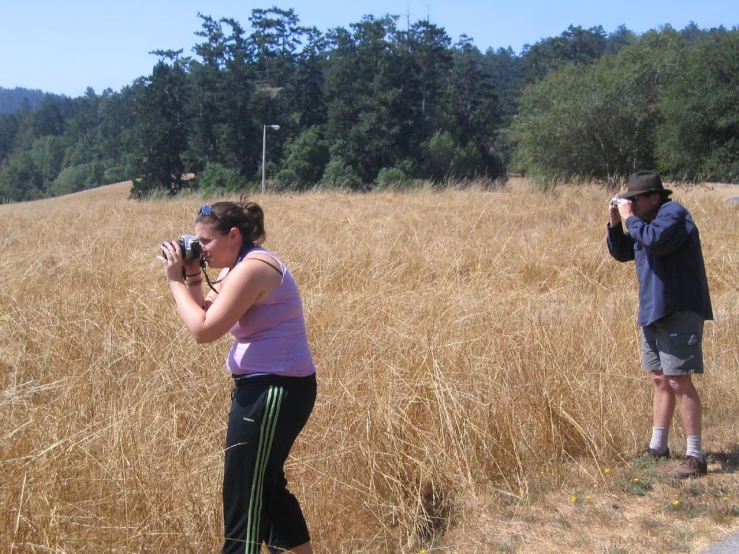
(205, 210)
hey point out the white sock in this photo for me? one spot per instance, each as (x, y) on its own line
(695, 447)
(659, 439)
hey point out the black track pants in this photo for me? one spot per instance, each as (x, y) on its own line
(267, 414)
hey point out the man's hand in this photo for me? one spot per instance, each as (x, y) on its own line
(613, 211)
(624, 209)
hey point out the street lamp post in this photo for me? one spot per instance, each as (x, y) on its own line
(264, 149)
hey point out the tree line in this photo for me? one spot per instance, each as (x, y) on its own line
(376, 105)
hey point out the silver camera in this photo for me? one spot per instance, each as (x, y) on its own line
(189, 247)
(615, 201)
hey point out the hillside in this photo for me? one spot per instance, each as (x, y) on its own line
(13, 99)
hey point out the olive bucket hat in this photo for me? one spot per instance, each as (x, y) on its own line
(645, 181)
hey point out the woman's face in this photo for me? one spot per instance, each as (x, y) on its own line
(220, 250)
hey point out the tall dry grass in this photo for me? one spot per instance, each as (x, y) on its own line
(467, 345)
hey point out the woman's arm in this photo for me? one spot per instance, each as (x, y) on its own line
(210, 318)
(194, 280)
(246, 284)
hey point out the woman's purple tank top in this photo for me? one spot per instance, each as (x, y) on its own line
(271, 336)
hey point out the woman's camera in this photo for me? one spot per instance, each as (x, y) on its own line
(189, 247)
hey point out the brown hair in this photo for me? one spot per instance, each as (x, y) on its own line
(247, 217)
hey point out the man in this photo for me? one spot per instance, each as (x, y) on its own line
(674, 302)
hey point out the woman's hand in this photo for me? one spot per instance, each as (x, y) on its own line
(171, 259)
(192, 267)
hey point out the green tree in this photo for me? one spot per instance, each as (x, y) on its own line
(598, 120)
(114, 139)
(78, 177)
(217, 177)
(306, 158)
(307, 103)
(162, 127)
(339, 174)
(699, 139)
(619, 38)
(472, 116)
(47, 119)
(574, 46)
(506, 71)
(243, 107)
(431, 60)
(9, 127)
(48, 154)
(208, 95)
(20, 179)
(364, 94)
(276, 37)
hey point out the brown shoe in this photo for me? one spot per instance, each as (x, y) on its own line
(652, 454)
(690, 467)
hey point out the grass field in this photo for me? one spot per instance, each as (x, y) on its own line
(478, 363)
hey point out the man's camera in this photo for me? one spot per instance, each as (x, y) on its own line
(615, 201)
(189, 247)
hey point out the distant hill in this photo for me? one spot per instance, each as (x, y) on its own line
(12, 98)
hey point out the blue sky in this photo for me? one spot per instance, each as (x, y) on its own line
(64, 46)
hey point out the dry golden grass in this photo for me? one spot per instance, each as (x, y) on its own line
(478, 371)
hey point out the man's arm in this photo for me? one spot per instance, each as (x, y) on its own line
(665, 234)
(620, 245)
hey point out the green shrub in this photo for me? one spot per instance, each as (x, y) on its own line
(339, 174)
(78, 177)
(306, 157)
(219, 178)
(116, 174)
(391, 178)
(439, 153)
(287, 179)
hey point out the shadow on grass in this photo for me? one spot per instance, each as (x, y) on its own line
(728, 459)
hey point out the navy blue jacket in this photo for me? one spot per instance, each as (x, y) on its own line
(669, 262)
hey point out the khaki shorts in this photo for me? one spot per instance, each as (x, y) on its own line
(674, 344)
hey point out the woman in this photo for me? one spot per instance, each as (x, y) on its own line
(255, 299)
